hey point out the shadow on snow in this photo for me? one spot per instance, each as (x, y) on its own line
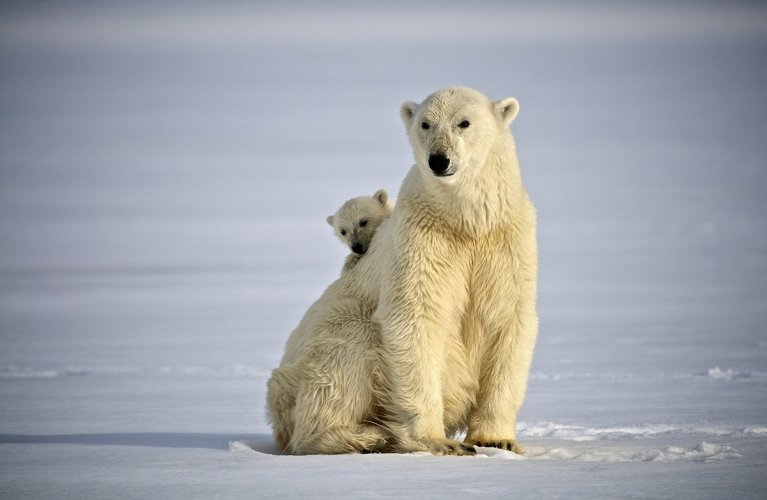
(262, 443)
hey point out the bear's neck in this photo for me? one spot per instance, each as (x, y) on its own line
(483, 201)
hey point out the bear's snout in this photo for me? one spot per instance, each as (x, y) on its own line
(358, 248)
(439, 163)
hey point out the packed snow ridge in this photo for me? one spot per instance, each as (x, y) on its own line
(583, 445)
(717, 373)
(552, 430)
(703, 452)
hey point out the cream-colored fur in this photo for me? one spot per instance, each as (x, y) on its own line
(357, 220)
(457, 307)
(451, 276)
(321, 398)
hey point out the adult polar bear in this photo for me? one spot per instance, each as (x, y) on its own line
(452, 275)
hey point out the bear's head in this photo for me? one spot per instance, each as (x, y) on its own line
(357, 220)
(453, 130)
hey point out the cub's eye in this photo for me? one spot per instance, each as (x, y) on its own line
(343, 232)
(425, 125)
(464, 124)
(363, 222)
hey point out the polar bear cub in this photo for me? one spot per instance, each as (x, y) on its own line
(357, 220)
(322, 397)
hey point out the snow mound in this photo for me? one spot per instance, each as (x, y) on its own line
(241, 447)
(262, 444)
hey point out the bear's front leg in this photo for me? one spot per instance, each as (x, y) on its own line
(505, 365)
(502, 387)
(419, 308)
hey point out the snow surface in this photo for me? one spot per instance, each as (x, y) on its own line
(165, 170)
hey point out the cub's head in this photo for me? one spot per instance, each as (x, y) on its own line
(357, 220)
(454, 128)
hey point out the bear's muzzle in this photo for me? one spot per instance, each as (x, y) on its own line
(439, 164)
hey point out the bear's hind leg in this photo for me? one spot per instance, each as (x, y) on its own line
(363, 438)
(332, 411)
(280, 404)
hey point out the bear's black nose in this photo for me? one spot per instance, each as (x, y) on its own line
(438, 163)
(358, 248)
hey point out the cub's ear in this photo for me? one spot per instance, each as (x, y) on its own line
(330, 220)
(407, 112)
(381, 197)
(506, 110)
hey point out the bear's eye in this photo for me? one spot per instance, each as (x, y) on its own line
(425, 125)
(363, 222)
(464, 124)
(343, 232)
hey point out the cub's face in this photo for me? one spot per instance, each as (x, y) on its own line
(357, 221)
(453, 130)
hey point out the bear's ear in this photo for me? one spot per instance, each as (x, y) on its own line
(381, 196)
(407, 112)
(506, 110)
(330, 220)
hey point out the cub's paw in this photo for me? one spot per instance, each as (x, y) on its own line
(450, 447)
(504, 444)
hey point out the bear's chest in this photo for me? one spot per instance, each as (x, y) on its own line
(493, 272)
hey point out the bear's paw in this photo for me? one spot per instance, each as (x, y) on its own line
(504, 444)
(450, 447)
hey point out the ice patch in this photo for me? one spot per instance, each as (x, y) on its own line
(545, 376)
(13, 372)
(714, 373)
(580, 376)
(580, 433)
(703, 452)
(717, 373)
(16, 372)
(235, 370)
(552, 430)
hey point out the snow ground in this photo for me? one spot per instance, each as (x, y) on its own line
(164, 176)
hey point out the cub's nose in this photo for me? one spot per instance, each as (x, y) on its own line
(358, 248)
(438, 163)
